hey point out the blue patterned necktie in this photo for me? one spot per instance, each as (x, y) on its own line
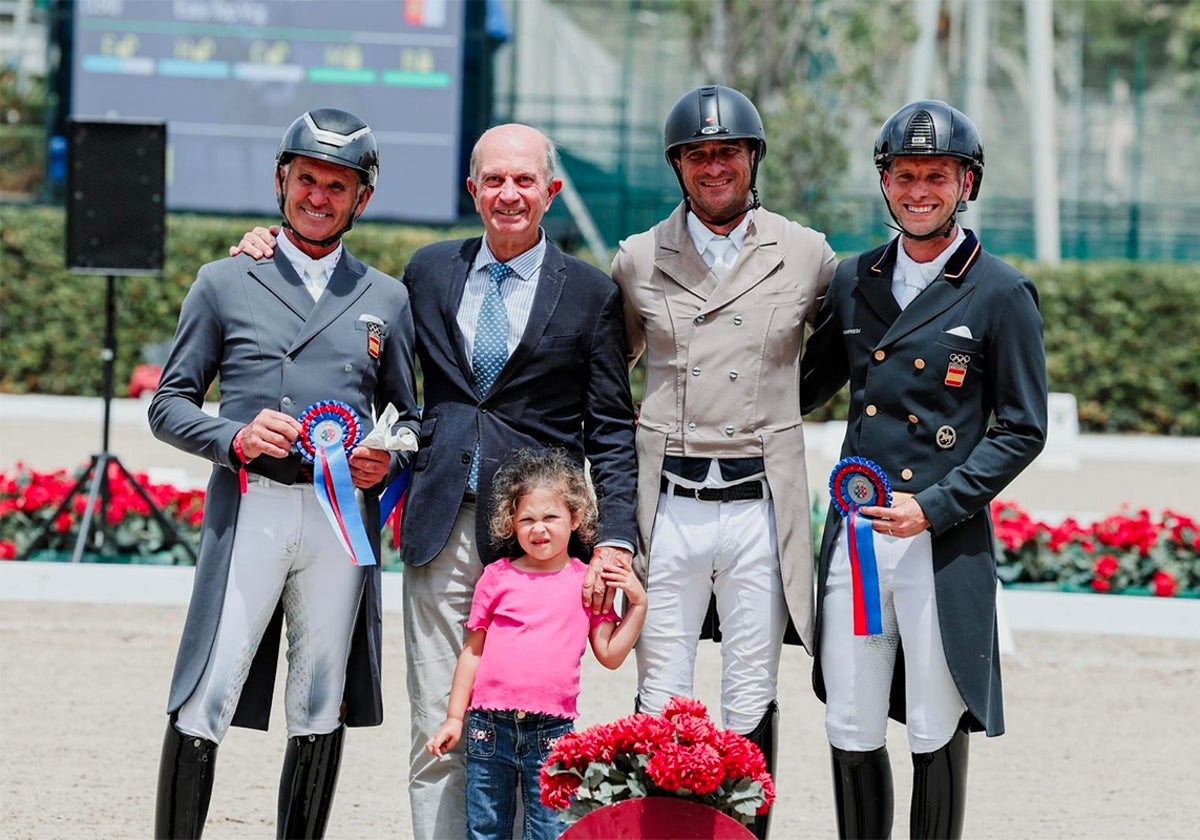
(490, 351)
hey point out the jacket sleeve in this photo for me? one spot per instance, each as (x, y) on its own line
(608, 426)
(825, 367)
(176, 412)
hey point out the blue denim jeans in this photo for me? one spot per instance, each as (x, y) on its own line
(505, 754)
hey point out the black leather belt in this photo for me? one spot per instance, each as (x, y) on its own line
(744, 492)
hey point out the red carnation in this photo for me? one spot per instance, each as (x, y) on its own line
(1101, 584)
(686, 769)
(1164, 584)
(1106, 566)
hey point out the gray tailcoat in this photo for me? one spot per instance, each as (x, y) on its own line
(255, 326)
(955, 442)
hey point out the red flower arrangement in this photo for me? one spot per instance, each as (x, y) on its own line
(29, 498)
(682, 753)
(1126, 552)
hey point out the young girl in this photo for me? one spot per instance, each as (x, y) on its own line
(518, 675)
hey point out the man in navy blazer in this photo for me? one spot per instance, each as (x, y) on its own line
(342, 338)
(562, 383)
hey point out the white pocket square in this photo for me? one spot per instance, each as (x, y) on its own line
(961, 331)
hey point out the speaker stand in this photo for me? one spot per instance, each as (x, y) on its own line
(96, 474)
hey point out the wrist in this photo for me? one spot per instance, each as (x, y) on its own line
(238, 451)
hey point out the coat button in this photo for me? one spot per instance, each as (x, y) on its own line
(880, 355)
(733, 374)
(466, 458)
(695, 371)
(912, 418)
(906, 474)
(729, 430)
(737, 320)
(919, 364)
(349, 368)
(286, 401)
(699, 319)
(871, 410)
(691, 427)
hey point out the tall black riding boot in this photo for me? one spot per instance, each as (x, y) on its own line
(862, 793)
(185, 780)
(766, 737)
(939, 794)
(306, 786)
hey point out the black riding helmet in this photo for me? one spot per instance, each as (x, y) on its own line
(931, 127)
(332, 135)
(714, 112)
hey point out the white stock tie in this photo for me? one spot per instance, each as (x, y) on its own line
(914, 284)
(314, 279)
(724, 255)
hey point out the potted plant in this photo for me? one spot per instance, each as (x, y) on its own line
(678, 770)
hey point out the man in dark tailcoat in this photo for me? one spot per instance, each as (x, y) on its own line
(342, 338)
(942, 346)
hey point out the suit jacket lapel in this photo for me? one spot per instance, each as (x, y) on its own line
(278, 277)
(758, 258)
(677, 258)
(345, 287)
(875, 282)
(551, 283)
(450, 294)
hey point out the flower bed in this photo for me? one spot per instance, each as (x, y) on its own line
(1131, 552)
(28, 500)
(682, 753)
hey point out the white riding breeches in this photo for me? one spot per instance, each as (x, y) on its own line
(726, 550)
(283, 548)
(858, 669)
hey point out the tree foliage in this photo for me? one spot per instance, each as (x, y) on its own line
(810, 66)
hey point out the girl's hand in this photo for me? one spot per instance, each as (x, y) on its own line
(620, 577)
(445, 738)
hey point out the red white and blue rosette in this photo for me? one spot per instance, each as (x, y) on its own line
(328, 431)
(856, 483)
(328, 423)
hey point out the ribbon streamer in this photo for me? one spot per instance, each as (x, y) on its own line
(335, 492)
(329, 430)
(855, 483)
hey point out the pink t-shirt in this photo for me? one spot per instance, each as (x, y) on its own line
(537, 630)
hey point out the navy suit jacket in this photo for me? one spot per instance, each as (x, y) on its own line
(565, 385)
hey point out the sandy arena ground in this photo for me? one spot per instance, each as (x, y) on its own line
(1102, 740)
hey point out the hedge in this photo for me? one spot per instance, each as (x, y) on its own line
(1121, 336)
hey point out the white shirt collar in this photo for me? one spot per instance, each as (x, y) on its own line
(300, 260)
(702, 235)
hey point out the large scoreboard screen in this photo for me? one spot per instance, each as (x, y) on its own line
(228, 76)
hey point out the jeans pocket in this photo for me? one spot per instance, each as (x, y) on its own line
(481, 737)
(549, 737)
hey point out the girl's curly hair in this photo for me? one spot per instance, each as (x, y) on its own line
(532, 469)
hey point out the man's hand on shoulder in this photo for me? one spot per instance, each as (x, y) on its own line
(258, 243)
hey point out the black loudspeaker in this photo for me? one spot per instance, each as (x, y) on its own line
(116, 196)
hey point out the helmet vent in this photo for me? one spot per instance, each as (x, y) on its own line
(919, 135)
